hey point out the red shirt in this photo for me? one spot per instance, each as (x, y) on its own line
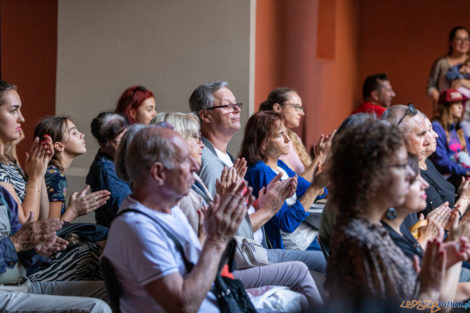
(371, 108)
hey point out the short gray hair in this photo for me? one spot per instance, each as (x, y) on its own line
(185, 124)
(120, 158)
(202, 96)
(396, 112)
(147, 147)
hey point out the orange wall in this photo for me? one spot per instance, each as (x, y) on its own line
(29, 56)
(403, 38)
(328, 87)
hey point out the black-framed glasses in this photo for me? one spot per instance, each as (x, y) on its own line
(296, 106)
(232, 106)
(411, 111)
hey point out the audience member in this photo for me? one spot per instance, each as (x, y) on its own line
(288, 102)
(265, 140)
(377, 93)
(137, 104)
(219, 115)
(458, 52)
(17, 292)
(108, 128)
(68, 143)
(451, 157)
(328, 216)
(148, 266)
(364, 261)
(30, 194)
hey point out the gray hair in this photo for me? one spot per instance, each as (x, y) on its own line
(396, 112)
(148, 146)
(120, 159)
(202, 96)
(185, 124)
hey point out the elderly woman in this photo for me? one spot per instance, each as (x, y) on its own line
(458, 52)
(288, 103)
(364, 261)
(108, 128)
(265, 140)
(137, 104)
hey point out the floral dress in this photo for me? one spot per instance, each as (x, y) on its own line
(56, 185)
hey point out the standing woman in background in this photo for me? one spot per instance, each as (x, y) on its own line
(288, 103)
(458, 49)
(137, 104)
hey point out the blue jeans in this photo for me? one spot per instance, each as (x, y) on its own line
(62, 296)
(314, 260)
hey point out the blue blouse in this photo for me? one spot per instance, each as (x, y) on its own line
(102, 175)
(288, 218)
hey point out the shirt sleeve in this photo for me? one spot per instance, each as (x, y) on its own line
(56, 185)
(288, 218)
(433, 78)
(440, 158)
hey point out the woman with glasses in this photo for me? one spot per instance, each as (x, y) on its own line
(458, 52)
(452, 157)
(288, 103)
(108, 128)
(137, 104)
(367, 177)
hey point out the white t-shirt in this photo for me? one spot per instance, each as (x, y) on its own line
(224, 157)
(141, 253)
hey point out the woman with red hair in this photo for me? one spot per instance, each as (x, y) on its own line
(137, 104)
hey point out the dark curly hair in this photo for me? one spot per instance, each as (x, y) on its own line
(357, 168)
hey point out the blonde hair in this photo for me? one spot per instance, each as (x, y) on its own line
(299, 148)
(185, 124)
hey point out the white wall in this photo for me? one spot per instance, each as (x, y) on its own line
(169, 46)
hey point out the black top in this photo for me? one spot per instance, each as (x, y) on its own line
(440, 190)
(407, 243)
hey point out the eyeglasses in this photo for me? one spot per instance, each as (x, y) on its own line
(411, 111)
(461, 39)
(197, 137)
(296, 106)
(232, 106)
(400, 166)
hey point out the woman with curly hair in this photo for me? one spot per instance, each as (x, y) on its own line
(369, 174)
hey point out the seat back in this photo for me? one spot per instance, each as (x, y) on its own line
(324, 247)
(112, 284)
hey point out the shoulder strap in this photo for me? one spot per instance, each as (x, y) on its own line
(188, 264)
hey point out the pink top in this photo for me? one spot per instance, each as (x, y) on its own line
(292, 160)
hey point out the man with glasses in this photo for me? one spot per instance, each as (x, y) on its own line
(219, 114)
(377, 93)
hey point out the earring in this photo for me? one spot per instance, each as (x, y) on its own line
(391, 214)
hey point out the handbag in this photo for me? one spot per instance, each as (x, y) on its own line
(230, 294)
(249, 253)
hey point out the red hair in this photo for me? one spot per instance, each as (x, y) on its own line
(132, 98)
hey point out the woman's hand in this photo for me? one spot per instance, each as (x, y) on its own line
(464, 189)
(433, 270)
(228, 177)
(240, 167)
(83, 203)
(275, 193)
(38, 157)
(323, 146)
(438, 219)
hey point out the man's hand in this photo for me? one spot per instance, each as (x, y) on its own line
(36, 233)
(47, 249)
(224, 215)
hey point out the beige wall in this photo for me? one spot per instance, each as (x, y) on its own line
(168, 46)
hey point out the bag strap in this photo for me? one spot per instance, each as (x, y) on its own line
(187, 264)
